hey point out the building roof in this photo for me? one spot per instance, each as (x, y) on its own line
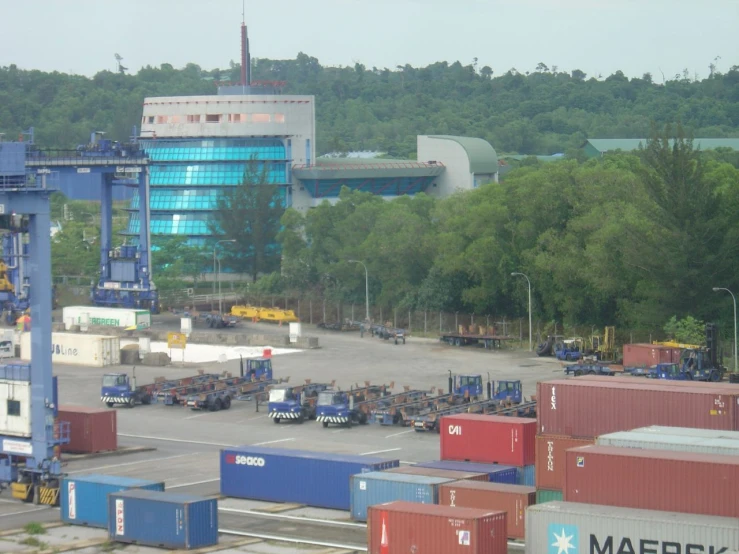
(482, 155)
(374, 168)
(606, 145)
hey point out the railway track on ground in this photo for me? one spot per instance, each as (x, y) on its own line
(344, 535)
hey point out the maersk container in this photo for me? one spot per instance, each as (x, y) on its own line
(163, 519)
(526, 476)
(318, 479)
(368, 489)
(78, 349)
(107, 317)
(84, 498)
(574, 527)
(496, 473)
(676, 443)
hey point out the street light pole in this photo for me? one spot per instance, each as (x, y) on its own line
(531, 348)
(716, 289)
(366, 287)
(217, 275)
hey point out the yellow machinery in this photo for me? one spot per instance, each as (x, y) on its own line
(273, 315)
(673, 344)
(5, 284)
(605, 347)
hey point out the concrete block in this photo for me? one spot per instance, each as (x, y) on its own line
(157, 359)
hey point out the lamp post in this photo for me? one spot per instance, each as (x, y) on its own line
(716, 289)
(366, 287)
(529, 282)
(217, 275)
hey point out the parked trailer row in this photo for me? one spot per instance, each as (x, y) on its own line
(490, 342)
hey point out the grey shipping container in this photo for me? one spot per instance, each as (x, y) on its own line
(689, 432)
(676, 443)
(379, 487)
(587, 528)
(163, 519)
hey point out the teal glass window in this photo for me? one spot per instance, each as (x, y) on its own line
(212, 174)
(214, 149)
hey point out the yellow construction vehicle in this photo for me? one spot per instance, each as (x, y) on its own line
(245, 312)
(604, 347)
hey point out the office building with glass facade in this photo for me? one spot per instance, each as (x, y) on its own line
(198, 146)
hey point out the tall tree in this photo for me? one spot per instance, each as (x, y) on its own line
(249, 214)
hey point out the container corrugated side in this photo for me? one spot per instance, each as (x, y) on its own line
(647, 355)
(406, 527)
(380, 487)
(496, 473)
(78, 349)
(688, 432)
(163, 519)
(653, 480)
(526, 476)
(589, 528)
(633, 439)
(91, 430)
(443, 473)
(318, 479)
(511, 499)
(544, 495)
(488, 439)
(620, 406)
(83, 499)
(550, 453)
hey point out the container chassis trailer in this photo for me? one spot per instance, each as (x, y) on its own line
(489, 342)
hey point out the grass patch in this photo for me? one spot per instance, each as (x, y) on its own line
(109, 546)
(34, 528)
(33, 541)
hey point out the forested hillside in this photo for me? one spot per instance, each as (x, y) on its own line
(359, 108)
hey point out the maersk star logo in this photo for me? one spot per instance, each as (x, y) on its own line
(565, 539)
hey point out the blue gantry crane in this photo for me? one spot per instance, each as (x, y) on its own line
(29, 435)
(125, 277)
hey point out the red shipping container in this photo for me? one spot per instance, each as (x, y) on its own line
(550, 453)
(401, 527)
(585, 408)
(653, 480)
(488, 439)
(647, 383)
(443, 473)
(90, 429)
(647, 355)
(511, 499)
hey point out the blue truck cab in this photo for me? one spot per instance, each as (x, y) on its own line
(294, 403)
(258, 368)
(468, 385)
(119, 388)
(338, 407)
(509, 390)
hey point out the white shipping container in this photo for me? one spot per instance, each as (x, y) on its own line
(108, 317)
(78, 349)
(676, 443)
(15, 408)
(576, 528)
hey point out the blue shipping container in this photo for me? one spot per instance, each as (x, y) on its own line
(84, 498)
(369, 489)
(497, 473)
(318, 479)
(526, 476)
(163, 519)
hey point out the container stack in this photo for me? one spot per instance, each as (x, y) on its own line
(91, 430)
(573, 413)
(491, 439)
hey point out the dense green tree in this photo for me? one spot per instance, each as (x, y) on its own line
(249, 214)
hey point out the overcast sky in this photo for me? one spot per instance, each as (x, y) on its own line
(595, 36)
